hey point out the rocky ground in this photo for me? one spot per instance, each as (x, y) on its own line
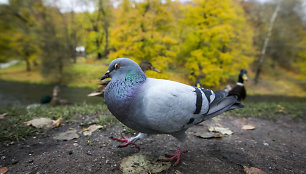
(273, 146)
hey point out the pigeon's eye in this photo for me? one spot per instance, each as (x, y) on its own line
(117, 66)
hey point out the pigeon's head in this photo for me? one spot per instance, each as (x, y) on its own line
(120, 66)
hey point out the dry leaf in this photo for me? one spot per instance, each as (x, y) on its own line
(40, 123)
(222, 130)
(88, 131)
(68, 135)
(57, 122)
(206, 135)
(143, 163)
(248, 127)
(252, 170)
(3, 170)
(281, 109)
(3, 115)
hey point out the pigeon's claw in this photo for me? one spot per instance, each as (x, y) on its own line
(176, 156)
(128, 143)
(127, 140)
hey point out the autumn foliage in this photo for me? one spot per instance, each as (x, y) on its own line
(207, 40)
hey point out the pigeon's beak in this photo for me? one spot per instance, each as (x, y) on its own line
(154, 69)
(245, 77)
(106, 75)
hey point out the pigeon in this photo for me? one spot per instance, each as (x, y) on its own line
(144, 65)
(157, 106)
(239, 89)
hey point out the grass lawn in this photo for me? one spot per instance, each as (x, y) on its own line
(13, 127)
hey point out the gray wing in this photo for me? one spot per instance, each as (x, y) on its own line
(164, 106)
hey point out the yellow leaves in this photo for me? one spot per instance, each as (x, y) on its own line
(145, 33)
(217, 43)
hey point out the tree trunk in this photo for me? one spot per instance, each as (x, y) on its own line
(264, 48)
(106, 51)
(28, 65)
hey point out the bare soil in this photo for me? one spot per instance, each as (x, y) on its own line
(277, 146)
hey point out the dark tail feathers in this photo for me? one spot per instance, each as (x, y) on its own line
(222, 105)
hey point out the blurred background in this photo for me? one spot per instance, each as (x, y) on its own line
(70, 43)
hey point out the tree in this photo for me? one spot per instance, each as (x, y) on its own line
(98, 28)
(216, 40)
(19, 19)
(54, 43)
(285, 48)
(144, 31)
(264, 48)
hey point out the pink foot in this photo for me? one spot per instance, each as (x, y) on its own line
(176, 156)
(127, 140)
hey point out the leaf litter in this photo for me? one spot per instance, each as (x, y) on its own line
(248, 127)
(3, 170)
(252, 170)
(88, 131)
(3, 115)
(68, 135)
(207, 135)
(222, 130)
(44, 123)
(143, 163)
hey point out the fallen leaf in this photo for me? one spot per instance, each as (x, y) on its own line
(143, 163)
(57, 122)
(3, 170)
(88, 131)
(68, 135)
(281, 109)
(252, 170)
(248, 127)
(3, 115)
(178, 172)
(206, 135)
(222, 130)
(40, 123)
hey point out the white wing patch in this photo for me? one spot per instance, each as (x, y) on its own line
(212, 97)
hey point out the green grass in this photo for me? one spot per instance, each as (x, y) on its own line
(82, 74)
(107, 121)
(273, 110)
(13, 127)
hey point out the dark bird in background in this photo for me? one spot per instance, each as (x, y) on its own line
(147, 65)
(239, 89)
(197, 83)
(157, 106)
(55, 100)
(144, 65)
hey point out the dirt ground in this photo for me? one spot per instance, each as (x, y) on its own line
(274, 146)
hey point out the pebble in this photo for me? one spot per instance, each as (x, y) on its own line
(70, 152)
(88, 153)
(14, 161)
